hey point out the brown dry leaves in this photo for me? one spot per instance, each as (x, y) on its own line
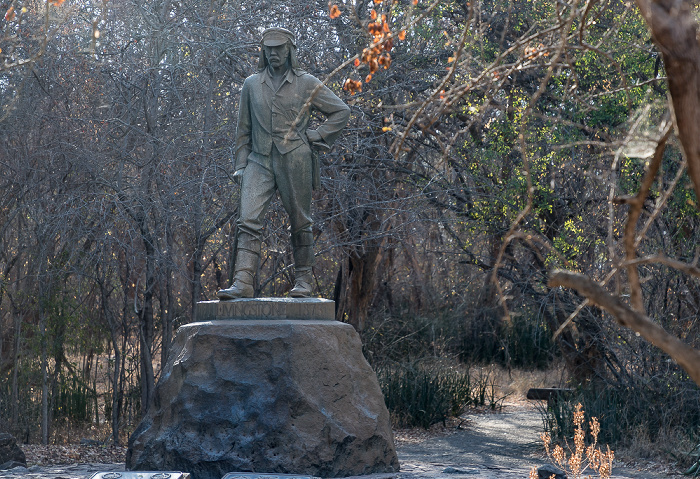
(377, 55)
(72, 454)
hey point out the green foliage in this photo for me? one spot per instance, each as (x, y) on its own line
(571, 241)
(425, 395)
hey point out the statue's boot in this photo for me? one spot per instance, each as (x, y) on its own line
(302, 284)
(302, 244)
(242, 287)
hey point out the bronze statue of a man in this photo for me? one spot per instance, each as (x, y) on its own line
(274, 153)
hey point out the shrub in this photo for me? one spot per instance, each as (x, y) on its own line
(650, 408)
(74, 400)
(581, 458)
(524, 341)
(423, 396)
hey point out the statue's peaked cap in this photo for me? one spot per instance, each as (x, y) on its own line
(275, 36)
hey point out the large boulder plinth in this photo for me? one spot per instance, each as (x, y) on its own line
(10, 453)
(279, 396)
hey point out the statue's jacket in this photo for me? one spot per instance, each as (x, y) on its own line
(281, 117)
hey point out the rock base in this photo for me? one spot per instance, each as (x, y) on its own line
(10, 453)
(279, 396)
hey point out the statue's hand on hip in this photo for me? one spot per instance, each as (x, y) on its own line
(316, 140)
(313, 136)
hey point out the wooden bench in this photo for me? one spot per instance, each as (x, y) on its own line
(551, 395)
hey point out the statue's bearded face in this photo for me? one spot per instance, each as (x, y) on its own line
(278, 55)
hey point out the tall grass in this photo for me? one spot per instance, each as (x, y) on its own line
(75, 401)
(626, 414)
(422, 361)
(420, 396)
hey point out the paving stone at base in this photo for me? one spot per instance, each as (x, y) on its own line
(266, 308)
(141, 475)
(256, 475)
(70, 471)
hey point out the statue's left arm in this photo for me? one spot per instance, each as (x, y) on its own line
(336, 111)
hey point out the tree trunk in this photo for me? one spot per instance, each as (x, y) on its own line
(44, 382)
(674, 31)
(15, 371)
(167, 302)
(362, 280)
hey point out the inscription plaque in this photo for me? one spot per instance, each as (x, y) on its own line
(266, 308)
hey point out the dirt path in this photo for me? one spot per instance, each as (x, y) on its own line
(491, 445)
(486, 446)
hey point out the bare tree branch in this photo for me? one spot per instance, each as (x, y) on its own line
(687, 357)
(636, 204)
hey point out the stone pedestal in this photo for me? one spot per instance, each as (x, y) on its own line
(287, 396)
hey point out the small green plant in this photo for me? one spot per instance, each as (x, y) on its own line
(581, 458)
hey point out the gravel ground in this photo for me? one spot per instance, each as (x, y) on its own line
(502, 445)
